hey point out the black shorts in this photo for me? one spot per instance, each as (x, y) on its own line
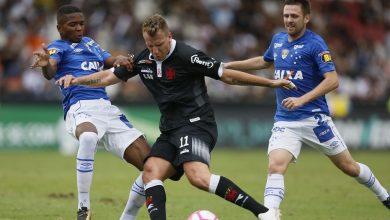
(188, 143)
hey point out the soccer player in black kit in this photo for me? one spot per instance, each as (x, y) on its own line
(175, 75)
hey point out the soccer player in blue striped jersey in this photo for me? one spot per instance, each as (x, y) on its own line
(302, 115)
(88, 112)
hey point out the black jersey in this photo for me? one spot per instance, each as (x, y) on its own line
(177, 83)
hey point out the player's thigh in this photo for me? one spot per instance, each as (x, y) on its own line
(286, 136)
(166, 151)
(85, 127)
(118, 142)
(320, 133)
(120, 135)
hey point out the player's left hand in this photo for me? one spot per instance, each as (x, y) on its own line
(292, 102)
(126, 61)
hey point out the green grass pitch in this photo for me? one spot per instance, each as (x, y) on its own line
(42, 186)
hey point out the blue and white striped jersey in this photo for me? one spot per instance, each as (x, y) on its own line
(78, 59)
(306, 59)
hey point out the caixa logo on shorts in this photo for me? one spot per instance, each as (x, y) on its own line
(196, 59)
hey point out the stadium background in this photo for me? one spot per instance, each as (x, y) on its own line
(357, 32)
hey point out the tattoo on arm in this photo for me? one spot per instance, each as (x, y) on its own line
(92, 82)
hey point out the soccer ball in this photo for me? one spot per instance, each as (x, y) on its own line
(202, 215)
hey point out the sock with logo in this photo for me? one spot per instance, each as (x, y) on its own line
(226, 189)
(84, 166)
(274, 191)
(136, 200)
(367, 178)
(155, 200)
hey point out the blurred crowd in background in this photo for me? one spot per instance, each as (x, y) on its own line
(357, 32)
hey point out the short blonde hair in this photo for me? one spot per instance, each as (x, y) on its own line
(153, 24)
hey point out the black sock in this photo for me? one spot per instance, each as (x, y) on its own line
(231, 192)
(155, 202)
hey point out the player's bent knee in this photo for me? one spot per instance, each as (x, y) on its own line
(147, 175)
(277, 167)
(156, 168)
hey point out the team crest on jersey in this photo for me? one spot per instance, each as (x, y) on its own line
(325, 56)
(285, 53)
(170, 73)
(52, 51)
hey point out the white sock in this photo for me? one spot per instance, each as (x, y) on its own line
(274, 191)
(84, 166)
(214, 180)
(367, 178)
(136, 200)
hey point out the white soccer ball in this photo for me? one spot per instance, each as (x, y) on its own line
(202, 215)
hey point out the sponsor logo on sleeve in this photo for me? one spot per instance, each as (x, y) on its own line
(325, 56)
(52, 51)
(197, 60)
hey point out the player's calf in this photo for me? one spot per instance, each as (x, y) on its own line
(226, 189)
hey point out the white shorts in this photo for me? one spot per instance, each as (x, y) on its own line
(115, 132)
(318, 132)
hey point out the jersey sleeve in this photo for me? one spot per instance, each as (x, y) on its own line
(322, 57)
(56, 51)
(269, 53)
(198, 62)
(123, 74)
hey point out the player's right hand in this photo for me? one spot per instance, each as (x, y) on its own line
(126, 61)
(287, 84)
(41, 57)
(66, 81)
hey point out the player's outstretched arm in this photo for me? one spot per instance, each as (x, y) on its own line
(235, 77)
(255, 63)
(98, 79)
(42, 59)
